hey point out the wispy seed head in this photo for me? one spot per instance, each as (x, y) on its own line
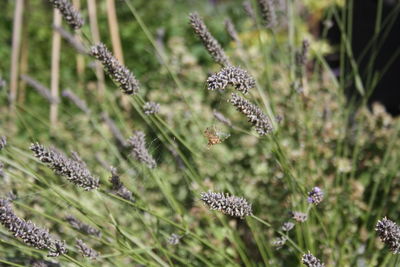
(73, 170)
(389, 233)
(230, 205)
(256, 117)
(310, 261)
(139, 151)
(117, 72)
(234, 76)
(210, 43)
(69, 13)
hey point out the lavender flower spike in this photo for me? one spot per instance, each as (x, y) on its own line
(299, 216)
(69, 13)
(117, 72)
(234, 76)
(3, 142)
(315, 196)
(150, 108)
(389, 233)
(40, 88)
(210, 43)
(118, 187)
(73, 170)
(84, 228)
(230, 28)
(256, 117)
(139, 151)
(268, 14)
(219, 116)
(230, 205)
(310, 261)
(30, 234)
(301, 56)
(119, 137)
(85, 250)
(287, 226)
(80, 103)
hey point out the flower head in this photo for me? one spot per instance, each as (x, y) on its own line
(250, 11)
(139, 151)
(315, 196)
(210, 43)
(230, 205)
(301, 56)
(299, 216)
(85, 250)
(268, 14)
(75, 171)
(69, 13)
(150, 108)
(117, 72)
(80, 103)
(118, 187)
(84, 228)
(3, 142)
(219, 116)
(279, 242)
(174, 239)
(234, 76)
(230, 28)
(28, 232)
(310, 261)
(389, 233)
(287, 226)
(256, 117)
(40, 89)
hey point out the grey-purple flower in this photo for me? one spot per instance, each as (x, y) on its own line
(311, 261)
(75, 171)
(230, 205)
(389, 233)
(85, 250)
(315, 196)
(255, 115)
(234, 76)
(210, 43)
(28, 232)
(139, 151)
(117, 72)
(69, 13)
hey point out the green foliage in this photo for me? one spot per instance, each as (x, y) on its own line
(350, 151)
